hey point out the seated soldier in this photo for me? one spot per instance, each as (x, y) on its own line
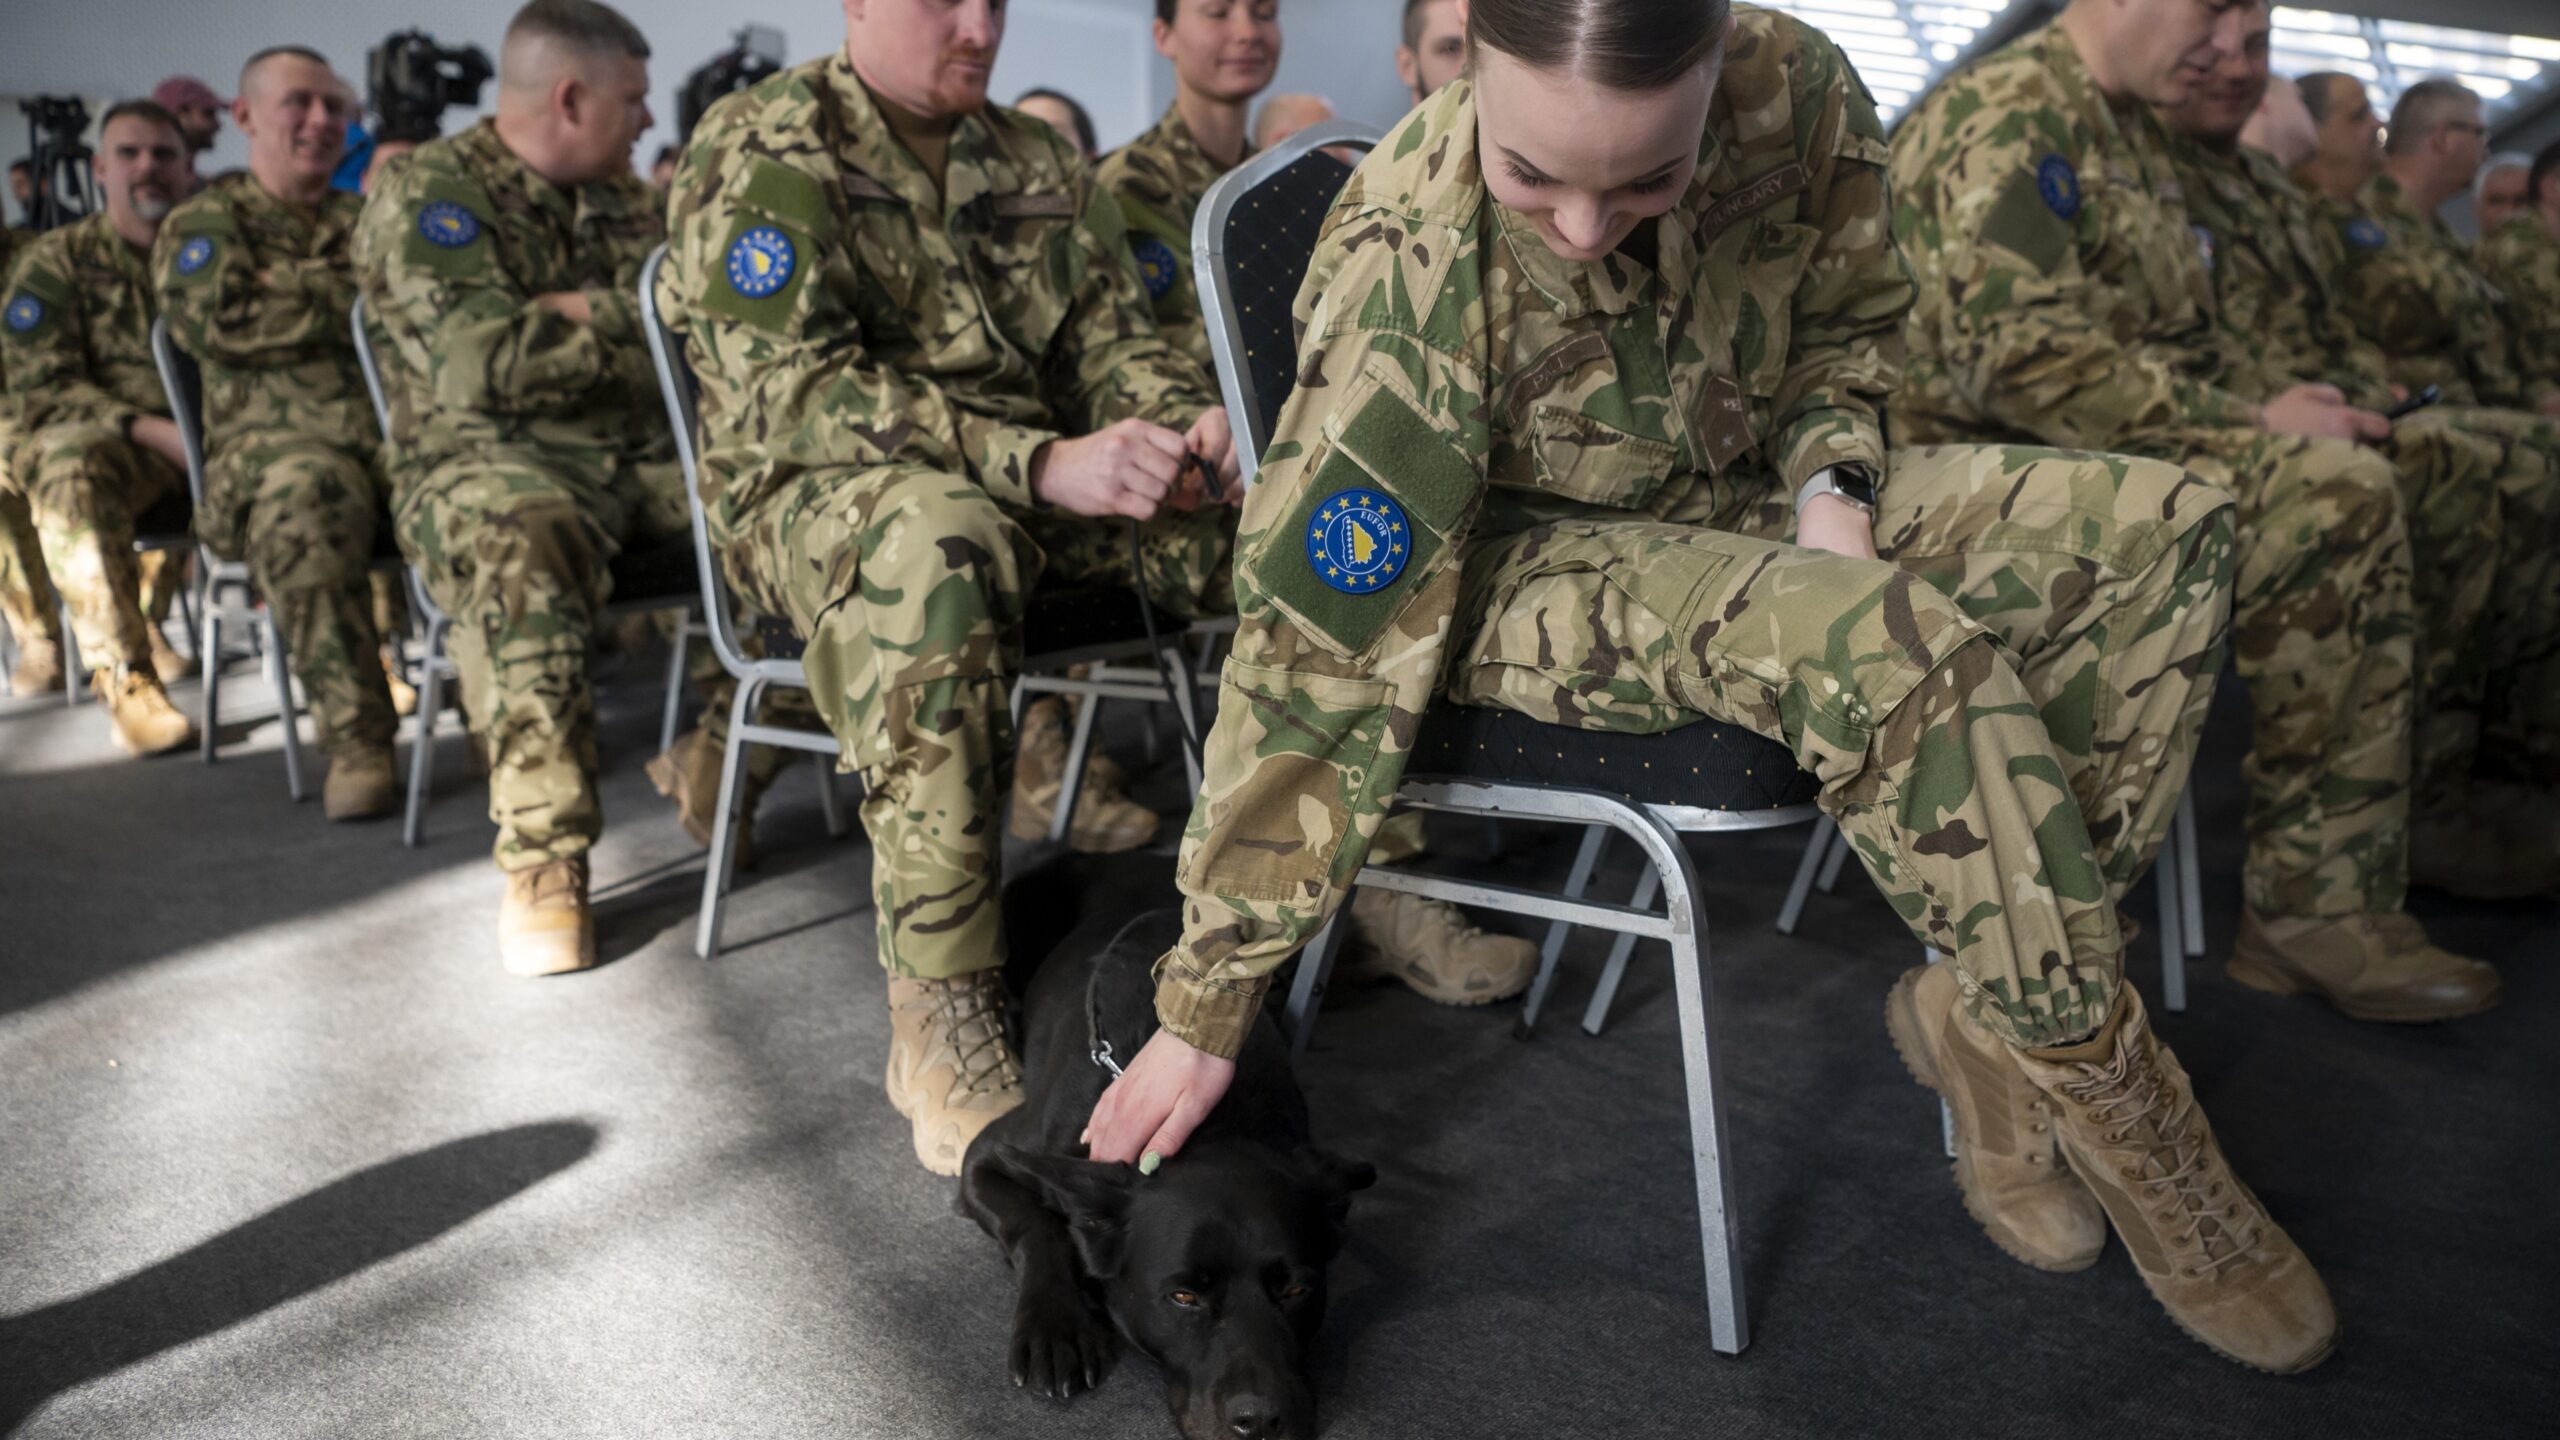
(528, 442)
(2002, 709)
(27, 600)
(2480, 487)
(2521, 256)
(2061, 302)
(1222, 57)
(928, 383)
(256, 275)
(96, 447)
(1433, 49)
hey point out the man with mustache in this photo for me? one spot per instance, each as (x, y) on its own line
(929, 382)
(2064, 301)
(96, 447)
(2480, 486)
(256, 275)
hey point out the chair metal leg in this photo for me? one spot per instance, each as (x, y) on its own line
(187, 603)
(1946, 1113)
(75, 674)
(1071, 783)
(281, 672)
(210, 652)
(830, 803)
(677, 654)
(1719, 1216)
(2190, 871)
(2166, 872)
(422, 744)
(1186, 705)
(1817, 847)
(1834, 863)
(724, 826)
(1315, 971)
(1595, 842)
(1595, 1016)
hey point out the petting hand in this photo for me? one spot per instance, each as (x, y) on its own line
(1128, 468)
(1157, 1102)
(2321, 411)
(1833, 524)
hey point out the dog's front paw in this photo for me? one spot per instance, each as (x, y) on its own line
(1060, 1347)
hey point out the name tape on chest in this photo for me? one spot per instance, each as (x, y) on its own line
(1759, 194)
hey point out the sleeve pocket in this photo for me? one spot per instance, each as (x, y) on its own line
(1298, 755)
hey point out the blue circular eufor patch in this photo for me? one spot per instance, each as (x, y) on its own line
(448, 225)
(2059, 184)
(2365, 235)
(1358, 541)
(761, 262)
(25, 313)
(195, 255)
(1156, 265)
(2204, 244)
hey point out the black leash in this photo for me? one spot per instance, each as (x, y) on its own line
(1097, 1048)
(1155, 645)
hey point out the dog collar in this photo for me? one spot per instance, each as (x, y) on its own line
(1097, 1048)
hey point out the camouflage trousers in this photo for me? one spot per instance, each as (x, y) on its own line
(2322, 633)
(2511, 675)
(86, 485)
(514, 544)
(304, 514)
(910, 586)
(27, 599)
(2002, 710)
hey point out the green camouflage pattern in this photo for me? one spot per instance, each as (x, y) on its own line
(2420, 298)
(2522, 259)
(2096, 327)
(526, 449)
(1158, 180)
(78, 372)
(2001, 713)
(870, 408)
(258, 291)
(27, 600)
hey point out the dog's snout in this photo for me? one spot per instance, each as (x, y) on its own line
(1252, 1416)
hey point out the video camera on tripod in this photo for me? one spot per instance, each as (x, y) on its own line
(411, 81)
(756, 53)
(66, 188)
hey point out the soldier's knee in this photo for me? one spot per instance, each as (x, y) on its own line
(2157, 490)
(928, 529)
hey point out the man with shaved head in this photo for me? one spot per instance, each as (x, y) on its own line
(256, 275)
(528, 444)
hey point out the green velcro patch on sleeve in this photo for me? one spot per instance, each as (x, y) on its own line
(1416, 461)
(2023, 222)
(790, 196)
(1287, 575)
(448, 229)
(758, 274)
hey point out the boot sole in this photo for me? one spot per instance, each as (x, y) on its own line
(2272, 981)
(1902, 1023)
(2327, 1349)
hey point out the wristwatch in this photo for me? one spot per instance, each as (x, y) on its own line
(1852, 482)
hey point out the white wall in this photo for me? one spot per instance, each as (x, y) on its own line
(1095, 50)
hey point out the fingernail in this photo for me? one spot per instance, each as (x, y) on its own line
(1149, 1163)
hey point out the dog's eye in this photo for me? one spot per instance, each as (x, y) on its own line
(1295, 1292)
(1188, 1300)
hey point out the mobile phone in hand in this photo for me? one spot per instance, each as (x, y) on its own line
(2414, 403)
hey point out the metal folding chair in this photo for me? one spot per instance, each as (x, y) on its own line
(1251, 243)
(644, 583)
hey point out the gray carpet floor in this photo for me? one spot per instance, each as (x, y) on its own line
(283, 1154)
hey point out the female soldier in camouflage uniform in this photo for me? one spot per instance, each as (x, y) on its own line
(1585, 416)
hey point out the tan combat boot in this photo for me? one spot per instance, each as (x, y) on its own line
(361, 785)
(2206, 1249)
(2372, 967)
(166, 662)
(951, 1073)
(404, 696)
(1429, 945)
(145, 722)
(544, 927)
(2009, 1163)
(688, 772)
(2499, 847)
(39, 668)
(1106, 821)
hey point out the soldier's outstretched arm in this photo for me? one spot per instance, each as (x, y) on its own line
(1988, 210)
(222, 305)
(41, 328)
(1112, 360)
(457, 316)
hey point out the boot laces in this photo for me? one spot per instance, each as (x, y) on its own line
(966, 1012)
(2128, 1095)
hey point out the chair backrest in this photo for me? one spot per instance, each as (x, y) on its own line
(185, 384)
(1250, 246)
(372, 370)
(676, 387)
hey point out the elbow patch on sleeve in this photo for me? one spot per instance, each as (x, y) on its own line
(2025, 222)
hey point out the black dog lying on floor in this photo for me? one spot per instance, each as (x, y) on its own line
(1214, 1267)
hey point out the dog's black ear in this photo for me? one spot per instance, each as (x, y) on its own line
(1090, 1195)
(1332, 1177)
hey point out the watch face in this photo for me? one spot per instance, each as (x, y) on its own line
(1856, 484)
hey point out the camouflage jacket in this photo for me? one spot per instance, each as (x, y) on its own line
(1457, 383)
(1158, 179)
(12, 242)
(2274, 270)
(839, 309)
(258, 292)
(2412, 289)
(76, 331)
(2522, 259)
(451, 251)
(2063, 297)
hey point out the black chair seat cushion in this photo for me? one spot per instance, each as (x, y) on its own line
(662, 572)
(1706, 765)
(1065, 617)
(172, 519)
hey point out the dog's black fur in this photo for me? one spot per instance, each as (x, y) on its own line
(1214, 1267)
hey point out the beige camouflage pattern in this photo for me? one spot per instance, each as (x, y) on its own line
(258, 291)
(27, 601)
(2522, 259)
(2410, 286)
(75, 337)
(2095, 327)
(2279, 319)
(2001, 712)
(1158, 180)
(880, 357)
(526, 450)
